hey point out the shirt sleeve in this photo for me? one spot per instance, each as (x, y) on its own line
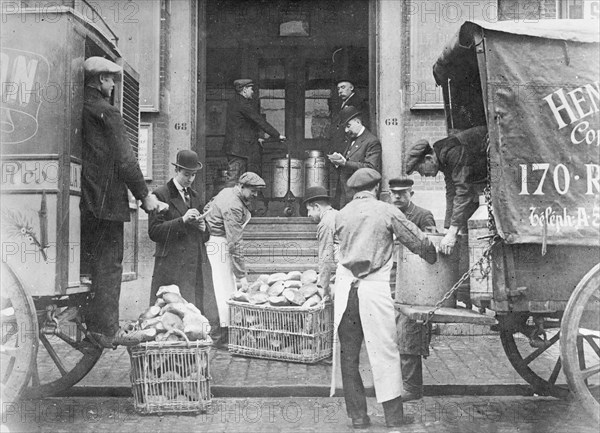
(327, 255)
(233, 220)
(463, 195)
(127, 167)
(411, 237)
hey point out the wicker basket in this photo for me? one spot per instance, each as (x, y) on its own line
(171, 376)
(281, 333)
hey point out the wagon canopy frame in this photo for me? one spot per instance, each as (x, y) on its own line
(536, 87)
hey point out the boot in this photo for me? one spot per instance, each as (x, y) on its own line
(394, 413)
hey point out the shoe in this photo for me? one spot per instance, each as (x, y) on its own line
(361, 423)
(406, 419)
(410, 396)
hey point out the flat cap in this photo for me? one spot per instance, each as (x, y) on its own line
(252, 179)
(242, 82)
(398, 184)
(100, 65)
(416, 155)
(364, 178)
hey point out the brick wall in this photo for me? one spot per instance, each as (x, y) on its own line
(419, 124)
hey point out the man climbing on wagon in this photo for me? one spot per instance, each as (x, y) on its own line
(109, 168)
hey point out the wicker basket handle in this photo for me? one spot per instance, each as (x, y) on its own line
(179, 333)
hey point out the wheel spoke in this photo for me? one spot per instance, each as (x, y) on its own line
(592, 343)
(587, 372)
(533, 355)
(555, 371)
(53, 355)
(35, 375)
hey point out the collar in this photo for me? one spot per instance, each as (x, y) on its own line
(410, 209)
(178, 185)
(325, 211)
(347, 99)
(364, 194)
(237, 190)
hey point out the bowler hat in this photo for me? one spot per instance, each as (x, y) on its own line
(416, 155)
(348, 113)
(398, 184)
(344, 80)
(364, 178)
(315, 193)
(252, 179)
(188, 160)
(99, 65)
(242, 82)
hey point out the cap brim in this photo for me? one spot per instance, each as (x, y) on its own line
(316, 197)
(403, 188)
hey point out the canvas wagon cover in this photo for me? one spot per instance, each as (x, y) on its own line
(543, 101)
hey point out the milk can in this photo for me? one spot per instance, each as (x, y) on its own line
(280, 177)
(315, 170)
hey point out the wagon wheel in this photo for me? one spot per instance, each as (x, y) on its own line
(64, 357)
(539, 366)
(19, 336)
(580, 343)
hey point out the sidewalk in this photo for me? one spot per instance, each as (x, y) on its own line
(464, 365)
(470, 363)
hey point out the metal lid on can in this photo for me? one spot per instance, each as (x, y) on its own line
(314, 153)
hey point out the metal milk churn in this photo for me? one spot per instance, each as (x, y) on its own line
(481, 282)
(419, 283)
(281, 180)
(315, 170)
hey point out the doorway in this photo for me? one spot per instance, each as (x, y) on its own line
(295, 51)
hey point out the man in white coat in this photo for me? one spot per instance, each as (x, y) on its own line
(364, 309)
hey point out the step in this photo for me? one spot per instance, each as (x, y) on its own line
(280, 235)
(280, 225)
(270, 268)
(263, 251)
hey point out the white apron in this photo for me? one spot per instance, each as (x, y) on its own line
(378, 317)
(222, 274)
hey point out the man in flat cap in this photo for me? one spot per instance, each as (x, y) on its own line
(363, 150)
(244, 123)
(109, 168)
(364, 309)
(462, 158)
(229, 213)
(180, 234)
(411, 342)
(401, 194)
(318, 205)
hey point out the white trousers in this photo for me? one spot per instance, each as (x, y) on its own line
(222, 274)
(378, 318)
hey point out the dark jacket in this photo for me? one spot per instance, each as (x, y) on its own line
(109, 164)
(244, 122)
(422, 218)
(338, 135)
(365, 152)
(180, 249)
(463, 160)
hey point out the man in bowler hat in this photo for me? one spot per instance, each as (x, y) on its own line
(363, 150)
(180, 233)
(318, 205)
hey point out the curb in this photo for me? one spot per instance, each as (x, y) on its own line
(309, 391)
